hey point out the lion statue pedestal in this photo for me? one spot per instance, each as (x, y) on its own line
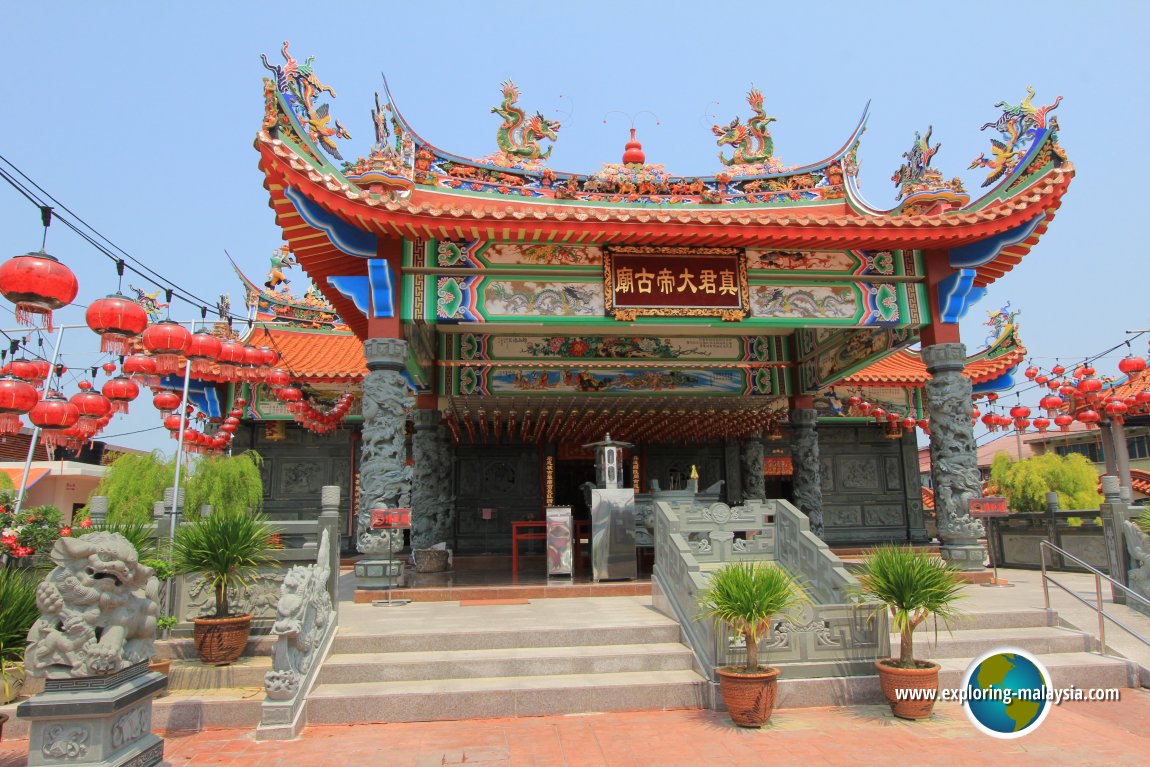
(92, 642)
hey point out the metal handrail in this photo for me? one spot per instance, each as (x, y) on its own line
(1098, 607)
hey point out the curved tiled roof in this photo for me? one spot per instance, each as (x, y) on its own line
(906, 368)
(314, 355)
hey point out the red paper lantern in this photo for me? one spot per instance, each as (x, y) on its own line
(17, 397)
(54, 415)
(167, 341)
(277, 379)
(250, 368)
(1041, 380)
(1116, 409)
(1063, 421)
(1089, 387)
(1089, 417)
(1042, 424)
(1019, 411)
(1068, 391)
(1051, 403)
(909, 423)
(992, 397)
(1030, 372)
(231, 354)
(92, 407)
(117, 320)
(142, 369)
(1022, 424)
(109, 368)
(990, 421)
(1058, 370)
(172, 424)
(1132, 364)
(203, 350)
(1143, 397)
(878, 414)
(166, 402)
(120, 391)
(38, 284)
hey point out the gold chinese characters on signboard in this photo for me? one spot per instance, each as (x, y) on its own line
(650, 281)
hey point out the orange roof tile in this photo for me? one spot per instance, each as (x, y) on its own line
(906, 368)
(314, 355)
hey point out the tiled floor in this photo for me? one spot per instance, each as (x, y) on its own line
(1074, 734)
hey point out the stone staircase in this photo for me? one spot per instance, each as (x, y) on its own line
(440, 661)
(1066, 653)
(497, 668)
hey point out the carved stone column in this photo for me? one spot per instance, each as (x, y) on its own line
(384, 479)
(808, 475)
(751, 458)
(432, 502)
(953, 455)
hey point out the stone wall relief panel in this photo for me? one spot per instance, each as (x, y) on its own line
(893, 472)
(301, 477)
(827, 472)
(858, 473)
(884, 515)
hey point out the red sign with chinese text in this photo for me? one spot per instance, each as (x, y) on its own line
(778, 466)
(654, 281)
(988, 507)
(390, 519)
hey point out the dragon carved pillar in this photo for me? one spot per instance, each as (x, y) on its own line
(384, 479)
(751, 458)
(953, 457)
(432, 502)
(808, 475)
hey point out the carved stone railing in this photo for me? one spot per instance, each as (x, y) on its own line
(1014, 540)
(828, 636)
(305, 628)
(807, 556)
(193, 597)
(1138, 576)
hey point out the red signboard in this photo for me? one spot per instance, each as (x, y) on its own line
(778, 466)
(649, 281)
(988, 507)
(391, 519)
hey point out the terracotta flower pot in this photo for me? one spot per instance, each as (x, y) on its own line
(750, 698)
(893, 679)
(221, 641)
(3, 721)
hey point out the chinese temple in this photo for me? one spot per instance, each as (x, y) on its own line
(492, 315)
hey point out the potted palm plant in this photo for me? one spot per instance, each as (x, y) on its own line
(227, 548)
(746, 596)
(913, 586)
(18, 611)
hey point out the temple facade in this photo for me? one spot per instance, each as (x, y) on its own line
(750, 326)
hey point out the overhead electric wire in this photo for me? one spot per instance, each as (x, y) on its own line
(147, 273)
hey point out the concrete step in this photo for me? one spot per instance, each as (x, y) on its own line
(1040, 640)
(193, 675)
(527, 661)
(486, 697)
(501, 638)
(1079, 669)
(993, 619)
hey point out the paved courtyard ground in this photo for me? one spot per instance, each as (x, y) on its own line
(1073, 734)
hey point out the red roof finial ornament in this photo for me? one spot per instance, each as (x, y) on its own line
(633, 152)
(38, 284)
(17, 397)
(117, 320)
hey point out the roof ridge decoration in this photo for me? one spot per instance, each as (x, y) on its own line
(1020, 127)
(922, 186)
(299, 86)
(519, 135)
(390, 166)
(753, 146)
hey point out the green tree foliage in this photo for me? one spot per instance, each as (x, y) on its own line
(6, 481)
(132, 484)
(228, 483)
(1026, 483)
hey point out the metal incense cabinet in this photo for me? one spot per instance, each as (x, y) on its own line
(560, 540)
(612, 517)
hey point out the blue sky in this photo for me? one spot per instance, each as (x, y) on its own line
(140, 117)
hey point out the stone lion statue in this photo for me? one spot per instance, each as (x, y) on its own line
(97, 610)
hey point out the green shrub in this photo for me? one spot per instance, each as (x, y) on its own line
(132, 483)
(226, 482)
(18, 612)
(912, 585)
(227, 547)
(745, 596)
